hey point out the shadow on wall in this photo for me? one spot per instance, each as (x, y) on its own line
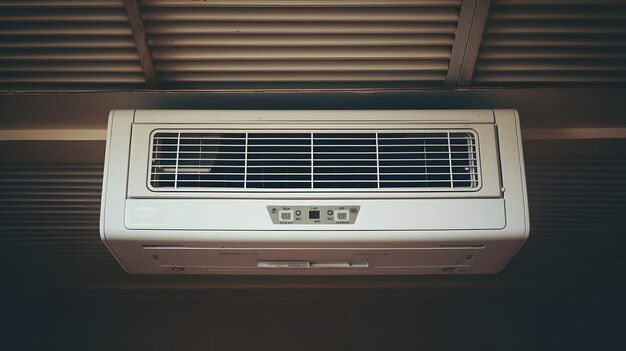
(538, 107)
(309, 320)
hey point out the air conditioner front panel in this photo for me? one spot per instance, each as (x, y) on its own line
(457, 206)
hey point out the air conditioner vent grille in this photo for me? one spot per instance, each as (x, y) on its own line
(420, 160)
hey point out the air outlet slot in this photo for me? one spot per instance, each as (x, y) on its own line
(278, 161)
(198, 160)
(418, 160)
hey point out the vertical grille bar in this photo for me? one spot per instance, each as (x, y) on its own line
(377, 164)
(177, 159)
(473, 163)
(245, 165)
(450, 161)
(312, 162)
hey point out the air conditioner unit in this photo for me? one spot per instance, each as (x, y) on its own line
(314, 192)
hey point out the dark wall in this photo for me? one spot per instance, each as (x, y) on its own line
(538, 107)
(472, 319)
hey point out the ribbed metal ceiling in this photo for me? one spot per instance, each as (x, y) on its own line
(74, 44)
(529, 42)
(61, 44)
(221, 43)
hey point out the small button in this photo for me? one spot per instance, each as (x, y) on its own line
(329, 212)
(178, 269)
(342, 216)
(298, 212)
(285, 215)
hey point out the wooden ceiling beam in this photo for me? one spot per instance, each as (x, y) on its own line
(467, 41)
(141, 42)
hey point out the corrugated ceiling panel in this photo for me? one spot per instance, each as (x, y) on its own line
(553, 42)
(306, 43)
(78, 44)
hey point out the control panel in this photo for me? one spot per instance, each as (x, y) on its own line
(313, 214)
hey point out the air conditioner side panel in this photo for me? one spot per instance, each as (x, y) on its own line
(115, 179)
(513, 177)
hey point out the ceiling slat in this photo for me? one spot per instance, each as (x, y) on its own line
(380, 65)
(73, 30)
(71, 66)
(368, 76)
(62, 15)
(308, 53)
(551, 66)
(60, 3)
(66, 43)
(262, 14)
(523, 40)
(299, 3)
(301, 40)
(553, 53)
(551, 78)
(70, 55)
(190, 28)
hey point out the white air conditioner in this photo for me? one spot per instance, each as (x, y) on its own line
(314, 192)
